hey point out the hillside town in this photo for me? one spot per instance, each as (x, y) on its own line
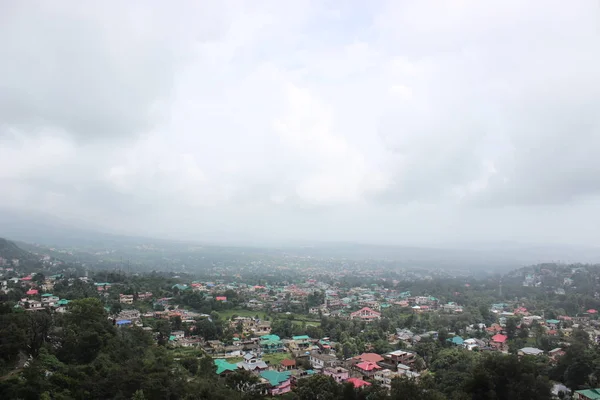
(284, 333)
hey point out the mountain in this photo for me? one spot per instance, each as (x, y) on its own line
(10, 251)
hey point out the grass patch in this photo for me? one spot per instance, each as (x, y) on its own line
(275, 358)
(227, 314)
(183, 352)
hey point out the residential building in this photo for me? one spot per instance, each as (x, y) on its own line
(279, 382)
(320, 361)
(369, 357)
(271, 344)
(367, 369)
(224, 367)
(587, 394)
(366, 314)
(385, 376)
(339, 374)
(401, 357)
(252, 362)
(530, 351)
(358, 383)
(288, 364)
(126, 298)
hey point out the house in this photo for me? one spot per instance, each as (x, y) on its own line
(320, 361)
(49, 299)
(385, 376)
(358, 383)
(366, 368)
(178, 334)
(302, 341)
(224, 367)
(552, 323)
(102, 286)
(401, 357)
(34, 305)
(554, 354)
(288, 364)
(271, 344)
(498, 342)
(369, 357)
(366, 314)
(587, 394)
(339, 374)
(262, 328)
(252, 362)
(279, 382)
(530, 351)
(126, 298)
(456, 340)
(144, 296)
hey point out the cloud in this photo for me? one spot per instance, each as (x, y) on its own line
(386, 121)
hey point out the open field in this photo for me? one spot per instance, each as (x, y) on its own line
(297, 318)
(276, 358)
(227, 314)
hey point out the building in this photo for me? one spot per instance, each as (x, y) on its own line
(587, 394)
(401, 357)
(145, 296)
(288, 364)
(224, 367)
(385, 376)
(339, 374)
(369, 357)
(320, 361)
(126, 298)
(367, 369)
(271, 344)
(252, 362)
(279, 382)
(498, 342)
(530, 351)
(358, 383)
(366, 314)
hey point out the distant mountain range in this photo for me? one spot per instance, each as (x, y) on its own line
(52, 232)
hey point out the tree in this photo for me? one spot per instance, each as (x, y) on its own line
(138, 395)
(318, 387)
(511, 328)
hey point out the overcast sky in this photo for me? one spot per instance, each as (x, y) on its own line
(409, 122)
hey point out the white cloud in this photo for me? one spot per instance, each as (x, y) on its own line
(294, 117)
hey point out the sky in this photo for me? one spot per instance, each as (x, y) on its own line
(397, 122)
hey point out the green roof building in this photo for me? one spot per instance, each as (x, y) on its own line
(224, 366)
(275, 378)
(587, 394)
(301, 337)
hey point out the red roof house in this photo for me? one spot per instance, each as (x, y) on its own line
(31, 292)
(221, 298)
(369, 357)
(358, 383)
(288, 364)
(367, 368)
(499, 338)
(365, 314)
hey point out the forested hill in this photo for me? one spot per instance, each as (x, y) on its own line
(10, 251)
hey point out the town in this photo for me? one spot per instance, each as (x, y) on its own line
(277, 333)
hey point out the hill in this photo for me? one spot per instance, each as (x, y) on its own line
(10, 251)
